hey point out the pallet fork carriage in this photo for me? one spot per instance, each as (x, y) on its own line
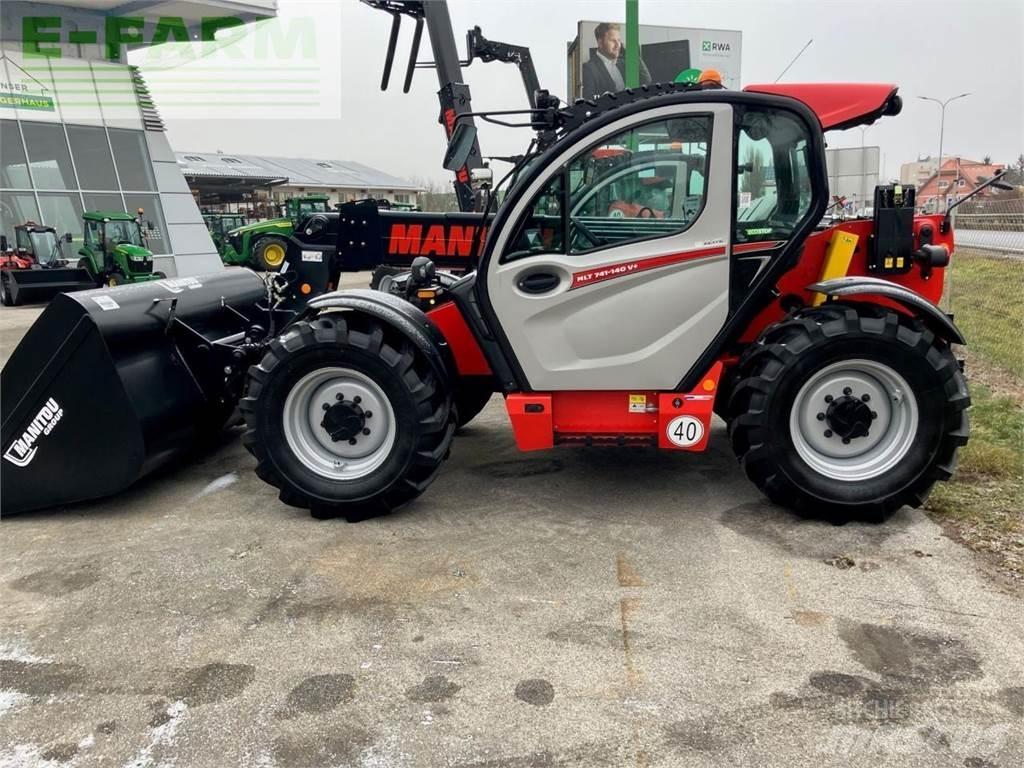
(622, 295)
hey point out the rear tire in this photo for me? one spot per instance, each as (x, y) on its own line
(312, 461)
(115, 279)
(5, 295)
(790, 410)
(269, 253)
(160, 275)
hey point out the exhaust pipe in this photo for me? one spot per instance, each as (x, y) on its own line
(110, 384)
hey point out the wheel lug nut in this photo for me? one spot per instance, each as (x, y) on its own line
(847, 391)
(846, 441)
(368, 414)
(866, 398)
(326, 407)
(339, 396)
(357, 399)
(874, 415)
(366, 431)
(828, 398)
(821, 417)
(352, 441)
(828, 433)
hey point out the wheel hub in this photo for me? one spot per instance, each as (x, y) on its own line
(848, 417)
(344, 420)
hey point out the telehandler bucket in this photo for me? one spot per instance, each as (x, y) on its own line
(110, 384)
(30, 286)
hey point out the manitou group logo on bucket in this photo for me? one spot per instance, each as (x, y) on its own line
(23, 450)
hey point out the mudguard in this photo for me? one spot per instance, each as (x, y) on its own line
(937, 320)
(411, 321)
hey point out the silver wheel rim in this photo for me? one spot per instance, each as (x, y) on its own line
(891, 431)
(310, 440)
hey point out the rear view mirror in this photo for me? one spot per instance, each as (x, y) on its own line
(460, 146)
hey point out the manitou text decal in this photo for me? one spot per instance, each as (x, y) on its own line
(23, 450)
(600, 274)
(436, 240)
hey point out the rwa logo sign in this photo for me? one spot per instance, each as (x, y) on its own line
(23, 450)
(715, 47)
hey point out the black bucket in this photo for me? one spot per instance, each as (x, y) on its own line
(105, 387)
(28, 286)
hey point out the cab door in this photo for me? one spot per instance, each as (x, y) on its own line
(610, 272)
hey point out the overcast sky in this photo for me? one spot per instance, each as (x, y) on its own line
(930, 48)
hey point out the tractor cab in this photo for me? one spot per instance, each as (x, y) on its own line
(220, 226)
(114, 250)
(38, 243)
(298, 208)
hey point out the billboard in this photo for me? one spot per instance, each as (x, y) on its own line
(667, 54)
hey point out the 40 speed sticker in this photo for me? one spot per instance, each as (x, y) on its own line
(684, 431)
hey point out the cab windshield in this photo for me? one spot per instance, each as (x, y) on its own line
(123, 232)
(44, 246)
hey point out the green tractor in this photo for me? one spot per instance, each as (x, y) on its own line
(264, 245)
(220, 225)
(114, 251)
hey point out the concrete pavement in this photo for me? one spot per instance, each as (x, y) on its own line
(591, 607)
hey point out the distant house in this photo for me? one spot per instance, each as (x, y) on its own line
(957, 178)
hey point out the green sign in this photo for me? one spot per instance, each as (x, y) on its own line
(25, 101)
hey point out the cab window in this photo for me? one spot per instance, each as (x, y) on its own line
(645, 182)
(773, 183)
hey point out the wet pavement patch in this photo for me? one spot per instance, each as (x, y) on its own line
(521, 468)
(536, 691)
(340, 746)
(212, 682)
(54, 583)
(433, 688)
(41, 679)
(60, 753)
(910, 656)
(319, 693)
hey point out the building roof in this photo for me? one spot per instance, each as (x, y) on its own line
(973, 172)
(294, 171)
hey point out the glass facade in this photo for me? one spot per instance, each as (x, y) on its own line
(86, 153)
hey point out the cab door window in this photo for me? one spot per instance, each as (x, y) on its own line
(773, 183)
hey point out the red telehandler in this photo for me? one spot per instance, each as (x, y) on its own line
(821, 346)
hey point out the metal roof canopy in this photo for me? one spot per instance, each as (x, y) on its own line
(295, 171)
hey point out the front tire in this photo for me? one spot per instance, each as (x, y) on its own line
(346, 418)
(269, 253)
(847, 412)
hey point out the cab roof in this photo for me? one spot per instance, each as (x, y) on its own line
(839, 105)
(112, 215)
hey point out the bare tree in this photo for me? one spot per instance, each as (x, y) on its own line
(436, 196)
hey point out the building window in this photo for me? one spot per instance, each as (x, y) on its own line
(943, 184)
(231, 160)
(48, 156)
(91, 153)
(324, 165)
(17, 208)
(195, 158)
(13, 168)
(132, 158)
(961, 182)
(401, 198)
(154, 228)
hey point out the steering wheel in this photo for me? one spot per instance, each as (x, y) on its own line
(649, 215)
(585, 231)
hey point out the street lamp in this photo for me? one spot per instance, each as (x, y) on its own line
(942, 129)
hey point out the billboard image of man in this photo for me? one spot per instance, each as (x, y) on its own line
(605, 70)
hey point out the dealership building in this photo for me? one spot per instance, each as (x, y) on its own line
(80, 133)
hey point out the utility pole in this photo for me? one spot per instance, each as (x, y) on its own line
(632, 43)
(863, 170)
(942, 130)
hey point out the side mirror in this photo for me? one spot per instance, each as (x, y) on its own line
(149, 226)
(483, 176)
(68, 237)
(460, 146)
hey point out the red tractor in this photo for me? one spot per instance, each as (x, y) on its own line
(821, 346)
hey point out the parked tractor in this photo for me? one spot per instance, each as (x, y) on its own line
(114, 249)
(263, 246)
(35, 269)
(220, 225)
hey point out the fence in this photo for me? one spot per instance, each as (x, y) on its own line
(991, 225)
